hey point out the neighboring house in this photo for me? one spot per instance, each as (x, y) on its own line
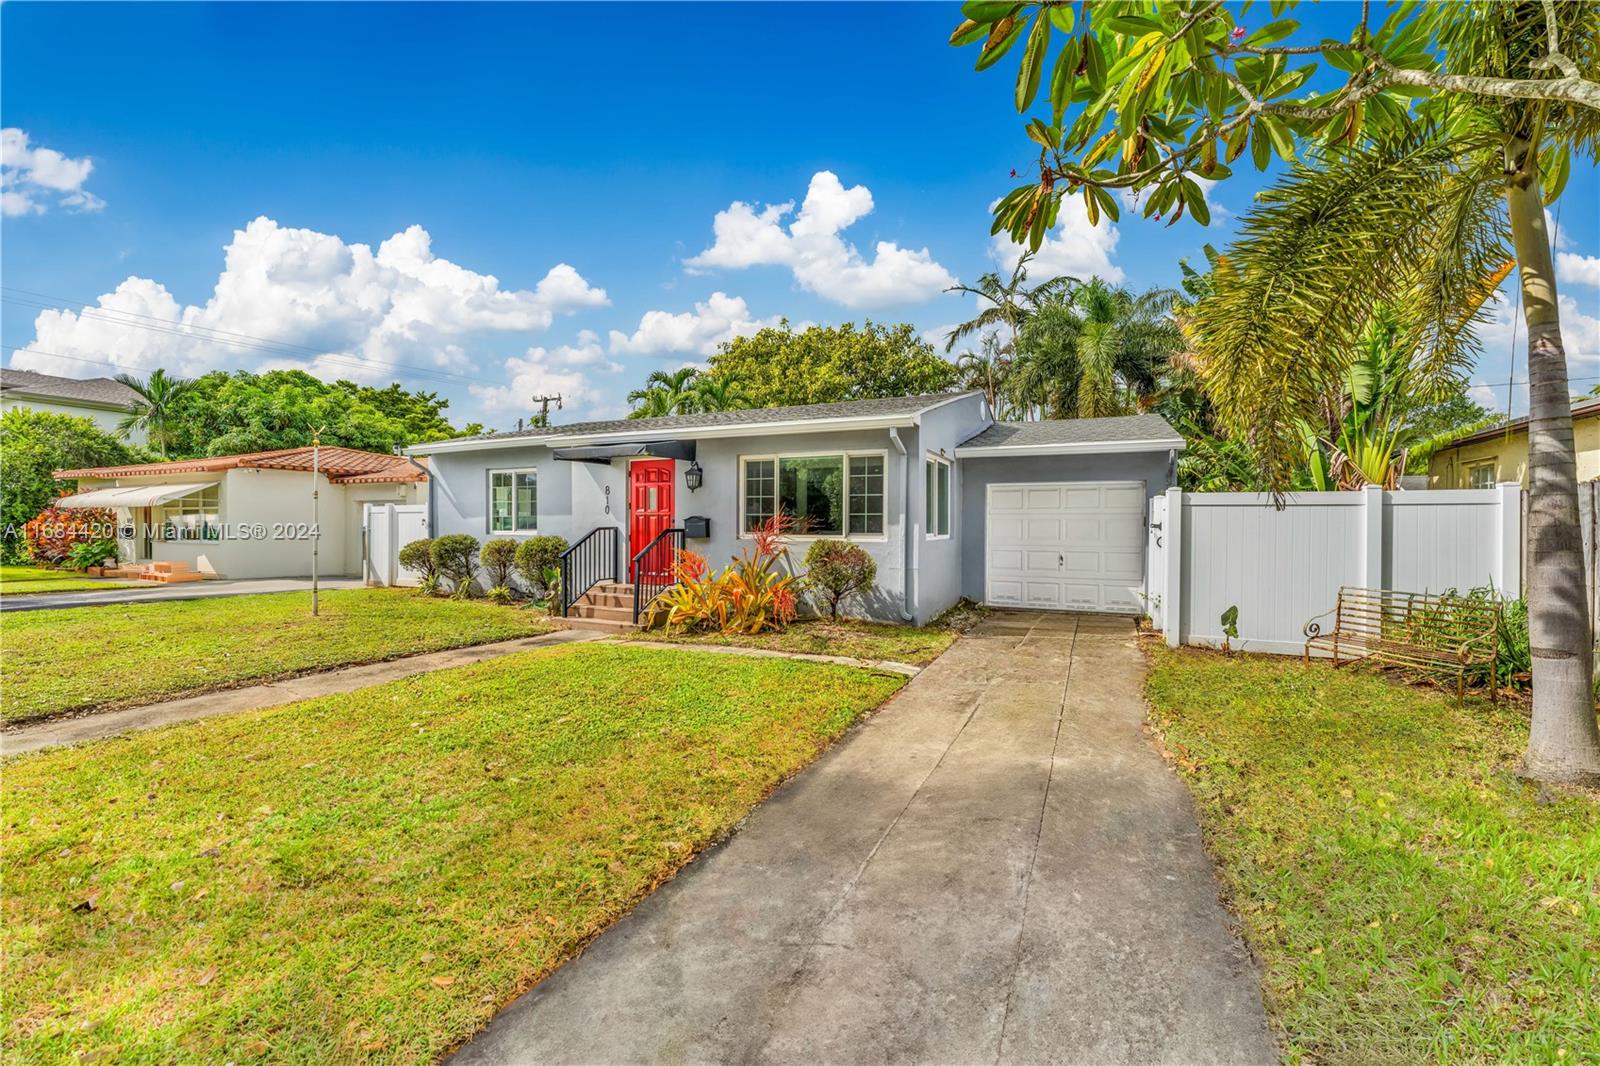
(104, 401)
(1489, 457)
(949, 502)
(249, 516)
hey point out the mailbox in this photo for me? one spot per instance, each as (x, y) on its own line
(697, 527)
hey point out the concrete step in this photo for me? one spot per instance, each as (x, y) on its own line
(601, 611)
(606, 599)
(601, 625)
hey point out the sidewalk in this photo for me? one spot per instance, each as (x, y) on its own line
(194, 590)
(93, 726)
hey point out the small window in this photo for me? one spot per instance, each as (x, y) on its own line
(513, 501)
(760, 492)
(1481, 475)
(196, 516)
(938, 497)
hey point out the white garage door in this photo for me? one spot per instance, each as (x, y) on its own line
(1070, 546)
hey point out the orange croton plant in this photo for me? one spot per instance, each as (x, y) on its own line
(752, 595)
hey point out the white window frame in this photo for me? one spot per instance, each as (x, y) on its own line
(1484, 464)
(932, 465)
(182, 506)
(845, 457)
(488, 517)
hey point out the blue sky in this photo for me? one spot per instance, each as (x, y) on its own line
(558, 187)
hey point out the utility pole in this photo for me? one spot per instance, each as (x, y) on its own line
(316, 474)
(542, 419)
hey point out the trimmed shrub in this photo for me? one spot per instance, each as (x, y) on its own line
(536, 556)
(838, 570)
(455, 557)
(498, 557)
(417, 557)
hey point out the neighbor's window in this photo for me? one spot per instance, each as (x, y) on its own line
(513, 501)
(197, 516)
(1481, 476)
(938, 497)
(827, 495)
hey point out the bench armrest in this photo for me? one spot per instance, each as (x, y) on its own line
(1313, 628)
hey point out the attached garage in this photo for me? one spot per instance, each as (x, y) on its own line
(1068, 545)
(1054, 513)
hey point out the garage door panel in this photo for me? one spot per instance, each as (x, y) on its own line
(1123, 565)
(1005, 499)
(1048, 499)
(1123, 499)
(1066, 546)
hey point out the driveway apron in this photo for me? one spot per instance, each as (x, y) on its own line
(996, 867)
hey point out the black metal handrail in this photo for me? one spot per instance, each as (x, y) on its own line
(653, 567)
(590, 561)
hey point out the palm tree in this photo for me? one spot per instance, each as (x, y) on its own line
(987, 372)
(158, 398)
(1427, 217)
(665, 393)
(716, 392)
(1096, 351)
(1005, 304)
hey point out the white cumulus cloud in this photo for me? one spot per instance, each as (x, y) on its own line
(566, 371)
(296, 297)
(1074, 247)
(820, 259)
(1574, 269)
(716, 321)
(32, 178)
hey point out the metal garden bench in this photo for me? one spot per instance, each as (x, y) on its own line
(1444, 634)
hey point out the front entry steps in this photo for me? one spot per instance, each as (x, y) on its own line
(605, 608)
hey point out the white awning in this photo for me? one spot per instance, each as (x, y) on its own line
(131, 495)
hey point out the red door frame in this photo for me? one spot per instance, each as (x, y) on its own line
(651, 506)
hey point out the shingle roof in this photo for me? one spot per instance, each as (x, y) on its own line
(1120, 429)
(90, 390)
(340, 464)
(754, 416)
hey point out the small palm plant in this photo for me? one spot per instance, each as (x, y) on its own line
(155, 408)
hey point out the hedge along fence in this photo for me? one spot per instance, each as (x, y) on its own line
(55, 531)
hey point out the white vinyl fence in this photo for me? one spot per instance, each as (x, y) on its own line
(1283, 566)
(385, 529)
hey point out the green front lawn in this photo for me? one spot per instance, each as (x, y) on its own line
(858, 640)
(1410, 898)
(29, 580)
(85, 658)
(371, 876)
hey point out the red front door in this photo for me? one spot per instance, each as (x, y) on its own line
(650, 511)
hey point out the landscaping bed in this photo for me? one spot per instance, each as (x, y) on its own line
(94, 658)
(31, 580)
(1409, 898)
(374, 875)
(858, 640)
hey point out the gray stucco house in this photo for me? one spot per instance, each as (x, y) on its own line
(948, 501)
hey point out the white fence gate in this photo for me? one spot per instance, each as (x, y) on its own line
(385, 529)
(1283, 566)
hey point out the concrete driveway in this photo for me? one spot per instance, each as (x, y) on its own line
(996, 867)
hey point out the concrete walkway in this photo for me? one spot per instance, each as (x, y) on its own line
(996, 867)
(189, 590)
(94, 725)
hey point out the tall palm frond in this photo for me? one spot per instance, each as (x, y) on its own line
(156, 406)
(1338, 235)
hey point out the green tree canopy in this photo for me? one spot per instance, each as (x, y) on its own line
(35, 444)
(224, 414)
(779, 367)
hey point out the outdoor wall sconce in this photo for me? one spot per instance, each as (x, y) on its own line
(693, 477)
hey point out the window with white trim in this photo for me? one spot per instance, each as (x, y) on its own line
(513, 501)
(838, 494)
(1481, 475)
(937, 494)
(197, 516)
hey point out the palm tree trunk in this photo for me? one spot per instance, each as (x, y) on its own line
(1563, 743)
